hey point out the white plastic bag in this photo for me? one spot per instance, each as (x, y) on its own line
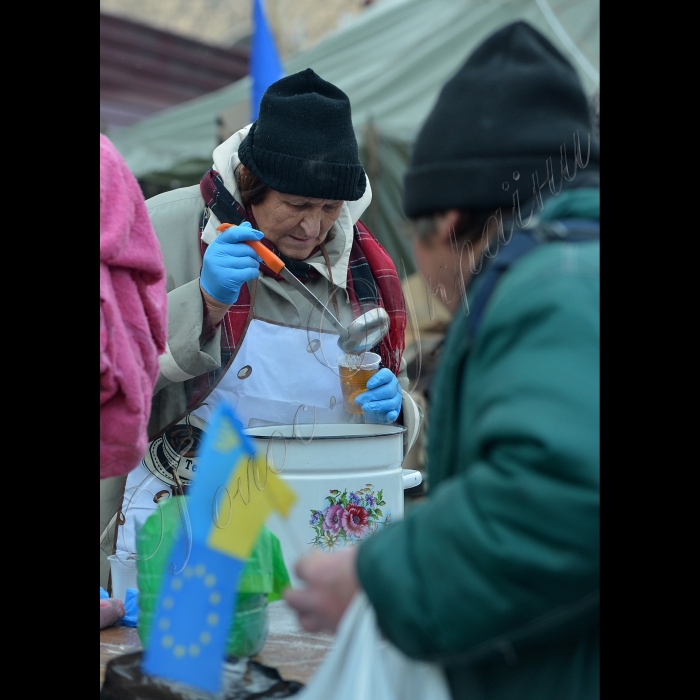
(362, 664)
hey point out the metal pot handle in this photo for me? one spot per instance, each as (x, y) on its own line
(411, 478)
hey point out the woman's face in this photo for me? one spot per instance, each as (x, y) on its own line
(296, 225)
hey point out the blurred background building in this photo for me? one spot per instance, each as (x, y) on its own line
(297, 24)
(144, 70)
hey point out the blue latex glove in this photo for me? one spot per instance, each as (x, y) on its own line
(131, 606)
(382, 403)
(228, 263)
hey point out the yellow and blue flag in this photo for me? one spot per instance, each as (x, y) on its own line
(229, 501)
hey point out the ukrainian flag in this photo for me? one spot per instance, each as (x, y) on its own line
(230, 500)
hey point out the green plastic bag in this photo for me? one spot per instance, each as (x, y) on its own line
(263, 579)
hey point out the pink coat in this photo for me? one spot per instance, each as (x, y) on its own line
(133, 314)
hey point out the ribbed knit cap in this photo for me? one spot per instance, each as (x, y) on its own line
(303, 141)
(513, 104)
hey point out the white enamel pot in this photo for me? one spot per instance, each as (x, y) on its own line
(347, 478)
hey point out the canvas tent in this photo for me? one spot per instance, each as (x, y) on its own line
(391, 60)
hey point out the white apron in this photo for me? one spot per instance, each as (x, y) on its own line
(280, 375)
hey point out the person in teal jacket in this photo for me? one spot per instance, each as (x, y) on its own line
(496, 575)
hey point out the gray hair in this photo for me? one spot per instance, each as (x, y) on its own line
(422, 228)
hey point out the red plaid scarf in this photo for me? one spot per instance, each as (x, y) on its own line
(372, 281)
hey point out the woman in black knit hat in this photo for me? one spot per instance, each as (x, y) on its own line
(496, 576)
(240, 332)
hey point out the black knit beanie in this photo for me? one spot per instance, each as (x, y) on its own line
(303, 141)
(512, 105)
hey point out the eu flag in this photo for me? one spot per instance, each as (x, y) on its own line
(265, 66)
(188, 640)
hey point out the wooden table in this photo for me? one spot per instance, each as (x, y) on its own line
(293, 652)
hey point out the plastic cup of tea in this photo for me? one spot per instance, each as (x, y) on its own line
(123, 574)
(354, 372)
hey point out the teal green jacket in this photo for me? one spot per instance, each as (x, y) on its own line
(496, 574)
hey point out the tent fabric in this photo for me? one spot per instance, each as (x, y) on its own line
(391, 60)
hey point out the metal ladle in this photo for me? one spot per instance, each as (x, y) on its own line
(361, 335)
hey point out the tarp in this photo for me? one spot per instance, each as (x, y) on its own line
(391, 60)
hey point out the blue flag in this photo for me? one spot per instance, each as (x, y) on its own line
(265, 66)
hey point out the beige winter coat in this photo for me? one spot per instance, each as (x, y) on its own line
(176, 217)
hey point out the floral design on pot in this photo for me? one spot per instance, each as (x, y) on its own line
(348, 517)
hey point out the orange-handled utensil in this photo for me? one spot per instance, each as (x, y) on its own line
(270, 259)
(277, 265)
(361, 335)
